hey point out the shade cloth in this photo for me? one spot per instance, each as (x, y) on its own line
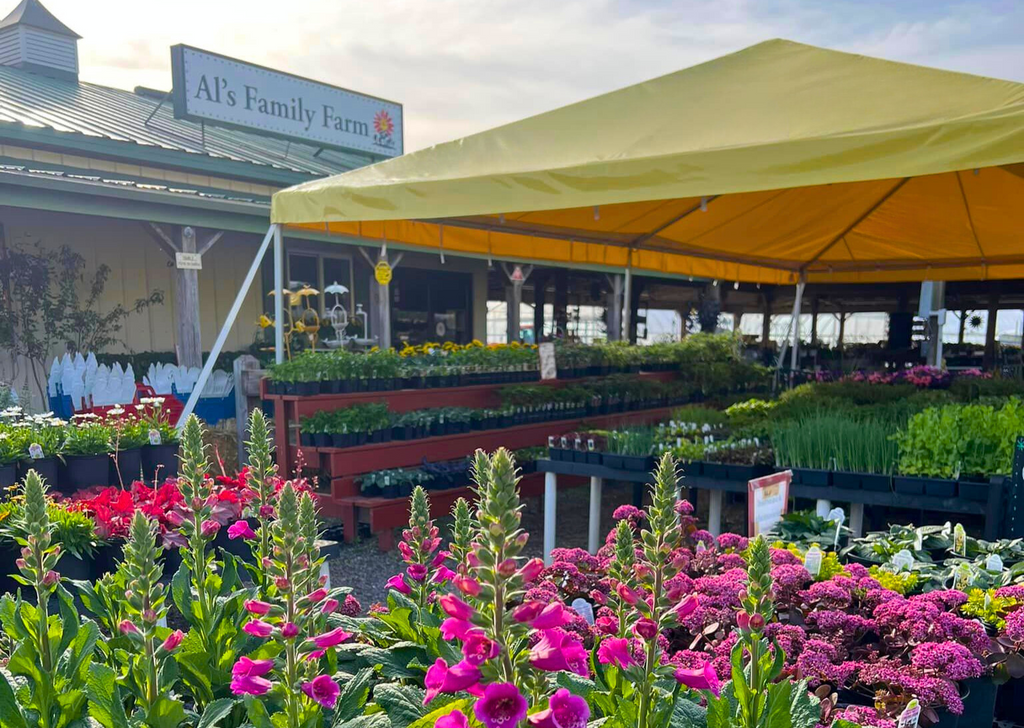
(779, 160)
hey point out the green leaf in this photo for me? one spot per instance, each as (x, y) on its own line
(10, 712)
(575, 684)
(402, 703)
(354, 695)
(104, 699)
(778, 704)
(181, 591)
(165, 713)
(257, 711)
(688, 714)
(377, 720)
(75, 661)
(216, 711)
(432, 717)
(806, 708)
(69, 618)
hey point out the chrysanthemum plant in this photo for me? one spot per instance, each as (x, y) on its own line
(495, 628)
(52, 664)
(755, 697)
(206, 590)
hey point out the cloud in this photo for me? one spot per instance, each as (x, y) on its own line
(461, 66)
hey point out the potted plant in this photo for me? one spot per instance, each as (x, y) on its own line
(86, 453)
(10, 455)
(631, 449)
(128, 434)
(160, 452)
(43, 447)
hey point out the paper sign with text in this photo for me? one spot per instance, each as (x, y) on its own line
(767, 498)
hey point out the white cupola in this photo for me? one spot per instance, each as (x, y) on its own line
(32, 39)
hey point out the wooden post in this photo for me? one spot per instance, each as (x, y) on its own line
(814, 321)
(615, 308)
(246, 385)
(561, 302)
(539, 294)
(186, 303)
(963, 323)
(766, 321)
(513, 301)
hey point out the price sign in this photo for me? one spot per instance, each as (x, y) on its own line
(382, 272)
(35, 451)
(548, 367)
(767, 499)
(155, 438)
(994, 563)
(188, 261)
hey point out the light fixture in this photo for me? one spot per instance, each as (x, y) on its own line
(736, 286)
(703, 204)
(714, 282)
(597, 212)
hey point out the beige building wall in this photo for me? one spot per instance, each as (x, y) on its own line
(138, 267)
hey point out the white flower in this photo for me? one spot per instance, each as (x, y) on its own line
(115, 411)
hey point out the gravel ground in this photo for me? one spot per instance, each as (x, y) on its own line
(365, 568)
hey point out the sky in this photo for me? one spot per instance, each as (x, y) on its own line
(462, 66)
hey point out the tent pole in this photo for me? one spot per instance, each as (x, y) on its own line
(794, 351)
(279, 296)
(615, 308)
(226, 328)
(627, 300)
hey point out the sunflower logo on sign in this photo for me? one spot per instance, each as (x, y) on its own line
(384, 129)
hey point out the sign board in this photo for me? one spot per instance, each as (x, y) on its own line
(517, 274)
(1015, 493)
(382, 272)
(767, 499)
(548, 367)
(220, 90)
(188, 261)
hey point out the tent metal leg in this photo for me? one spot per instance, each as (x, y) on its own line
(627, 300)
(794, 351)
(279, 297)
(228, 323)
(550, 497)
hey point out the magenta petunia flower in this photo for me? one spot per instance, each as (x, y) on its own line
(329, 639)
(323, 690)
(703, 678)
(564, 710)
(258, 629)
(241, 529)
(397, 582)
(455, 719)
(249, 685)
(615, 651)
(247, 667)
(502, 706)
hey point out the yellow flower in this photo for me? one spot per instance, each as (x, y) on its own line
(265, 321)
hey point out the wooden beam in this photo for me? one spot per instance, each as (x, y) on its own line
(213, 239)
(186, 305)
(161, 238)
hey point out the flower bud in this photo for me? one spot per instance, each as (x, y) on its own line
(51, 578)
(646, 628)
(289, 630)
(743, 620)
(507, 568)
(127, 627)
(173, 640)
(756, 621)
(531, 570)
(281, 583)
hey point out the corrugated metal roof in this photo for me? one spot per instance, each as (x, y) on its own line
(28, 100)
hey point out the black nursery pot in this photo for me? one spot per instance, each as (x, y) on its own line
(745, 472)
(613, 461)
(812, 476)
(940, 488)
(161, 460)
(1010, 700)
(692, 469)
(974, 490)
(8, 475)
(849, 481)
(718, 471)
(907, 485)
(129, 463)
(638, 463)
(979, 703)
(47, 468)
(85, 471)
(875, 482)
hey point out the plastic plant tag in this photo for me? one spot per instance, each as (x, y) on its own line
(962, 577)
(959, 540)
(590, 444)
(812, 560)
(902, 560)
(701, 547)
(551, 440)
(577, 444)
(154, 437)
(910, 715)
(582, 607)
(838, 515)
(35, 451)
(565, 443)
(994, 563)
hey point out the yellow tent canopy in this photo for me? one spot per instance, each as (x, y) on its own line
(779, 160)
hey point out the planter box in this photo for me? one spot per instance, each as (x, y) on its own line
(160, 461)
(974, 490)
(46, 467)
(876, 483)
(908, 485)
(8, 475)
(746, 473)
(692, 470)
(940, 488)
(716, 471)
(612, 461)
(593, 458)
(321, 439)
(812, 476)
(85, 471)
(579, 456)
(849, 481)
(638, 463)
(979, 703)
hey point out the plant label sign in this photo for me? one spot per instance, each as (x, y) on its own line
(548, 367)
(188, 261)
(767, 499)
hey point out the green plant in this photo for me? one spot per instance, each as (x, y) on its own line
(635, 441)
(87, 438)
(835, 441)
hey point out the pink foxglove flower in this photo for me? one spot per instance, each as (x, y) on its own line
(455, 719)
(557, 651)
(564, 710)
(478, 648)
(397, 582)
(127, 627)
(173, 640)
(501, 706)
(258, 629)
(443, 575)
(553, 615)
(615, 651)
(323, 690)
(455, 629)
(443, 679)
(330, 639)
(210, 528)
(703, 678)
(289, 630)
(248, 685)
(247, 667)
(455, 607)
(254, 606)
(531, 570)
(241, 529)
(329, 606)
(317, 596)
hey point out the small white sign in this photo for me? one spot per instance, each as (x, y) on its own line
(155, 438)
(767, 499)
(35, 451)
(188, 261)
(812, 560)
(994, 563)
(548, 366)
(902, 560)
